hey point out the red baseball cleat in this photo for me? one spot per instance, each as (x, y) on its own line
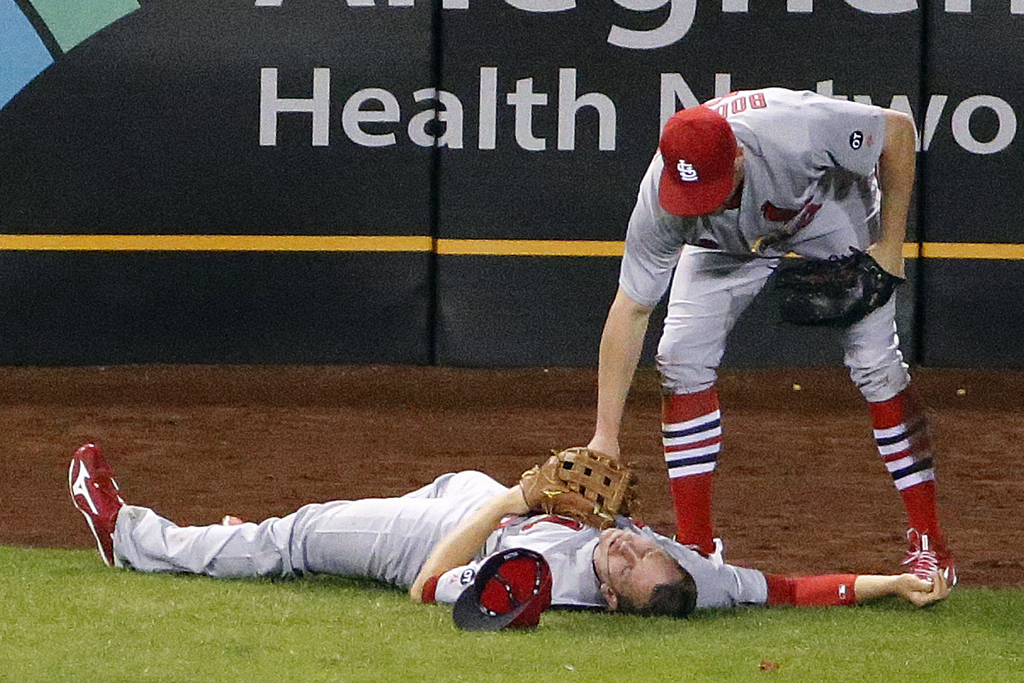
(924, 559)
(96, 494)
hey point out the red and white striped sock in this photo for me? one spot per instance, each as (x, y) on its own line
(692, 438)
(901, 432)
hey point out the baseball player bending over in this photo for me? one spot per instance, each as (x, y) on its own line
(432, 540)
(736, 184)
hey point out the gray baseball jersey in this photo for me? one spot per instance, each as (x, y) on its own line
(809, 174)
(389, 539)
(569, 547)
(809, 188)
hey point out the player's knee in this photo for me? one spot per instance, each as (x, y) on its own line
(686, 379)
(880, 382)
(687, 367)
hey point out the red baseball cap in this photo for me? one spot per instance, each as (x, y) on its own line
(699, 148)
(511, 589)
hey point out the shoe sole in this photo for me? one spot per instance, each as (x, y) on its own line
(84, 492)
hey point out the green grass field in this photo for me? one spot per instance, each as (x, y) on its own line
(66, 617)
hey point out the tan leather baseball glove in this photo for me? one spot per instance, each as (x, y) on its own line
(583, 484)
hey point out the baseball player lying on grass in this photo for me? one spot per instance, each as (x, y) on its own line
(434, 540)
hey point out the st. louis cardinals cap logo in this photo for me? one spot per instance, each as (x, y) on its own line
(699, 150)
(687, 173)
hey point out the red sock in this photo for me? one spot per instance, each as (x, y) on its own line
(692, 439)
(901, 432)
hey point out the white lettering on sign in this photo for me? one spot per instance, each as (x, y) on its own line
(271, 106)
(524, 100)
(451, 115)
(965, 6)
(370, 117)
(354, 116)
(569, 106)
(373, 117)
(677, 25)
(676, 94)
(680, 15)
(1005, 131)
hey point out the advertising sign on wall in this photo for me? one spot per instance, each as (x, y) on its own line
(458, 172)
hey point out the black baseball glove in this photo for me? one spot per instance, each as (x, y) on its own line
(834, 292)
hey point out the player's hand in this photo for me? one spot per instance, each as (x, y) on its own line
(890, 257)
(609, 447)
(922, 592)
(514, 501)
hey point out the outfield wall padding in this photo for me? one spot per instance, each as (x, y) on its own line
(505, 126)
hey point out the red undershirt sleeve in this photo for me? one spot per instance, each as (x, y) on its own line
(829, 590)
(429, 589)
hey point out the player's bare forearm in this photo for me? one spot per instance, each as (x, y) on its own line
(463, 543)
(621, 344)
(920, 592)
(896, 171)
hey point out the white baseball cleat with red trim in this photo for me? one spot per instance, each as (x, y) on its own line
(96, 495)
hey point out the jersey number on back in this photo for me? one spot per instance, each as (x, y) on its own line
(735, 103)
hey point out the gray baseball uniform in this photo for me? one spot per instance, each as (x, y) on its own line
(809, 188)
(389, 539)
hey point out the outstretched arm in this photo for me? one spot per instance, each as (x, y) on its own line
(621, 344)
(896, 169)
(917, 591)
(832, 590)
(462, 544)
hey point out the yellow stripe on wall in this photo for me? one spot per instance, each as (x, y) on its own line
(214, 243)
(966, 250)
(528, 248)
(415, 243)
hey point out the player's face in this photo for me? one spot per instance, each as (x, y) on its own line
(738, 174)
(631, 565)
